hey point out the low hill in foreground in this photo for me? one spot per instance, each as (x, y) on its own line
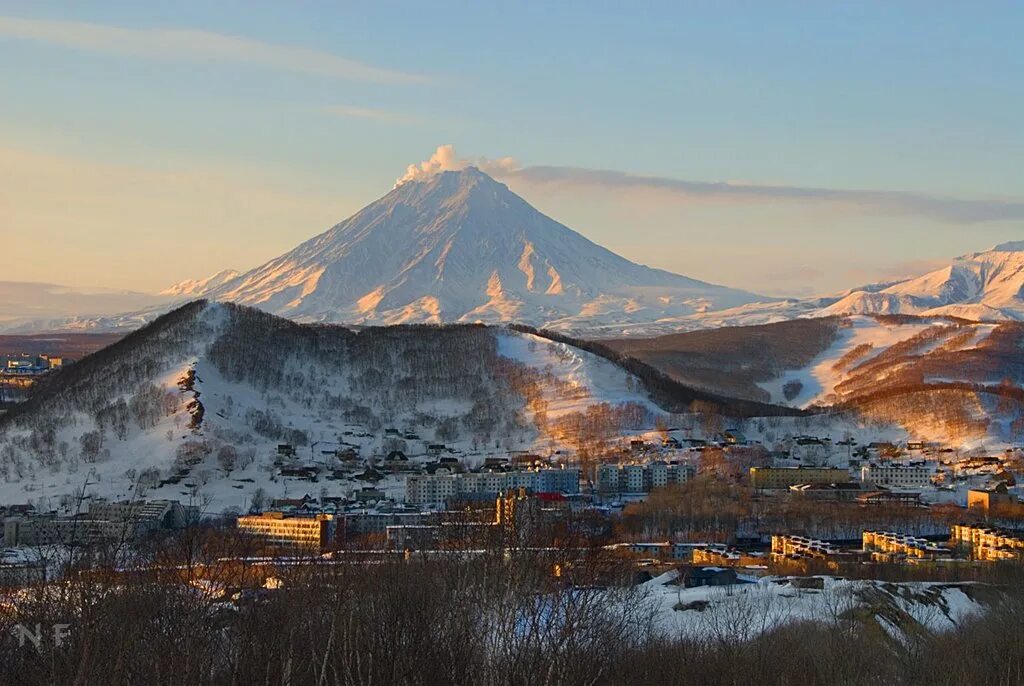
(199, 400)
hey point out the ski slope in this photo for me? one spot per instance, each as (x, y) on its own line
(820, 378)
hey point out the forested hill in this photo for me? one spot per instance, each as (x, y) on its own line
(670, 393)
(216, 379)
(942, 378)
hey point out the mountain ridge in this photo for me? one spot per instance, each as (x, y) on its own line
(939, 378)
(986, 286)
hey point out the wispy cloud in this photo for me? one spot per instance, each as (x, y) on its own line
(945, 209)
(939, 208)
(197, 45)
(370, 113)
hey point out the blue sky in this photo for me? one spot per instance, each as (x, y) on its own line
(143, 155)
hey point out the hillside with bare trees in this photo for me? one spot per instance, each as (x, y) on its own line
(938, 377)
(198, 401)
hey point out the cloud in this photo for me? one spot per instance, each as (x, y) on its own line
(939, 208)
(945, 209)
(196, 45)
(370, 113)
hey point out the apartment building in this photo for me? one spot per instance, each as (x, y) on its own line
(799, 547)
(353, 524)
(70, 531)
(987, 543)
(105, 522)
(430, 489)
(916, 474)
(886, 546)
(437, 489)
(784, 477)
(641, 477)
(278, 529)
(723, 556)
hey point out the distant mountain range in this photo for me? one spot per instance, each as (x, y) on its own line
(47, 305)
(984, 286)
(459, 246)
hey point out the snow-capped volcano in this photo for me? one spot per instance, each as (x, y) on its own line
(460, 246)
(981, 286)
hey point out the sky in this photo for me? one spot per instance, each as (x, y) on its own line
(784, 148)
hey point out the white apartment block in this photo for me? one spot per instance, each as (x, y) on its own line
(917, 474)
(435, 489)
(427, 489)
(641, 477)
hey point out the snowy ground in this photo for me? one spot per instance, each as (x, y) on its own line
(746, 610)
(592, 379)
(575, 380)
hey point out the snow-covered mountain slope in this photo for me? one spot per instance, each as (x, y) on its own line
(876, 345)
(461, 247)
(985, 286)
(197, 402)
(938, 378)
(575, 379)
(196, 288)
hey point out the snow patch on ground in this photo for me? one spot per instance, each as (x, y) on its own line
(744, 611)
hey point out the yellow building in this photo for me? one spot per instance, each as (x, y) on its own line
(887, 545)
(801, 547)
(720, 556)
(988, 543)
(985, 500)
(274, 528)
(784, 477)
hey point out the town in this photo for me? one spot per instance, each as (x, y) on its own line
(808, 505)
(716, 539)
